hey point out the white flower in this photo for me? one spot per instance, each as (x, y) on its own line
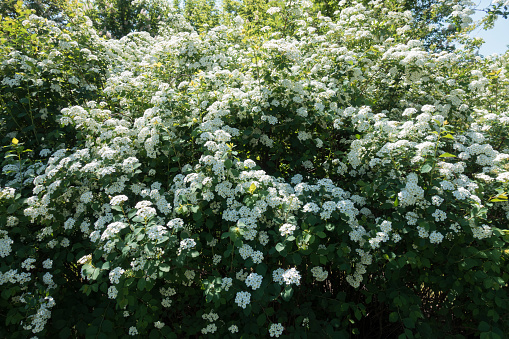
(275, 330)
(159, 324)
(112, 292)
(435, 237)
(291, 276)
(117, 200)
(156, 232)
(115, 275)
(254, 280)
(87, 197)
(47, 264)
(319, 273)
(238, 21)
(277, 276)
(175, 224)
(243, 299)
(287, 229)
(27, 264)
(226, 283)
(245, 251)
(186, 244)
(273, 10)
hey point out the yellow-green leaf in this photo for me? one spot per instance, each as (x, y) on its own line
(252, 188)
(447, 155)
(500, 197)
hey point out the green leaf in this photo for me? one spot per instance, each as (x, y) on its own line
(252, 188)
(409, 323)
(141, 284)
(287, 293)
(12, 208)
(107, 326)
(447, 155)
(65, 333)
(448, 136)
(321, 235)
(393, 317)
(280, 247)
(297, 259)
(6, 293)
(261, 269)
(484, 326)
(260, 321)
(164, 267)
(426, 168)
(132, 213)
(490, 335)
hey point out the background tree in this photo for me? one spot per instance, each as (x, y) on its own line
(117, 18)
(200, 13)
(435, 21)
(50, 9)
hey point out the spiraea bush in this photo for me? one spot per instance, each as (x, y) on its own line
(330, 178)
(45, 66)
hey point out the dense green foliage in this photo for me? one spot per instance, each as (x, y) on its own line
(253, 173)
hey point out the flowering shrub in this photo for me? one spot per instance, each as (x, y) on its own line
(45, 66)
(332, 182)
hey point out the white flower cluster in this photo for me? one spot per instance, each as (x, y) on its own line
(226, 283)
(254, 280)
(145, 210)
(115, 274)
(275, 330)
(319, 273)
(436, 237)
(110, 230)
(118, 200)
(243, 299)
(211, 316)
(5, 244)
(186, 244)
(288, 277)
(412, 193)
(112, 292)
(27, 264)
(287, 229)
(211, 328)
(159, 325)
(39, 319)
(175, 224)
(156, 232)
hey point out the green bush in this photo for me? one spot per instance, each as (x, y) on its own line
(339, 181)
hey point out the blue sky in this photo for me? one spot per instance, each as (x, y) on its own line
(497, 39)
